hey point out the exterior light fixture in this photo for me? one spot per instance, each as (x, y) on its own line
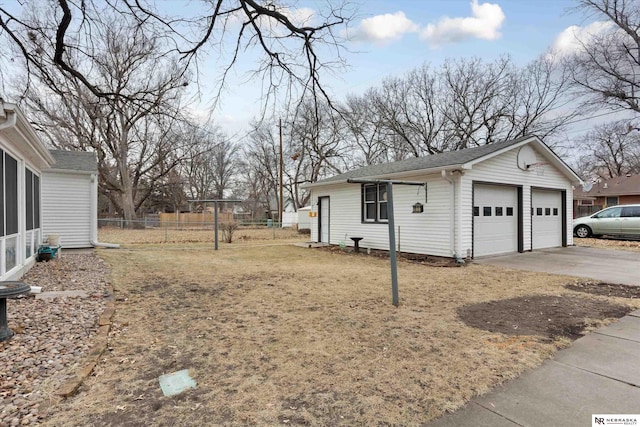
(418, 208)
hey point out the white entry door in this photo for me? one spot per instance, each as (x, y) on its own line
(323, 223)
(546, 219)
(495, 219)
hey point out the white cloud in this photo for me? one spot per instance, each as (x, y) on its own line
(485, 23)
(572, 39)
(383, 29)
(301, 17)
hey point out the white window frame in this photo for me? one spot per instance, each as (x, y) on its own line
(379, 201)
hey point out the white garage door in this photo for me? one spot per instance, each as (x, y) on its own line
(546, 219)
(495, 220)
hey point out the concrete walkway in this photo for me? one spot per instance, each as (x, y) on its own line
(606, 265)
(598, 374)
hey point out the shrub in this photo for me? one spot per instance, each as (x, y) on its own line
(227, 229)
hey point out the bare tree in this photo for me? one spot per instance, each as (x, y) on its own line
(366, 130)
(541, 100)
(133, 132)
(468, 103)
(606, 67)
(610, 150)
(56, 38)
(260, 168)
(210, 168)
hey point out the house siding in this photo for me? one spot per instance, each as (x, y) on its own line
(433, 231)
(66, 207)
(503, 170)
(427, 232)
(18, 249)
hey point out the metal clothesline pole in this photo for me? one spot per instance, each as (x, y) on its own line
(215, 214)
(395, 299)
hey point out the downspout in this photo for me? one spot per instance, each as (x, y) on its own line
(452, 220)
(94, 218)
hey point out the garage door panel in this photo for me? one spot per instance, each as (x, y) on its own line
(546, 219)
(495, 222)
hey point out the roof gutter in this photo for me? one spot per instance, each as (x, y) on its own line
(23, 128)
(389, 176)
(10, 121)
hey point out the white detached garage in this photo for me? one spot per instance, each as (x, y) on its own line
(69, 198)
(512, 196)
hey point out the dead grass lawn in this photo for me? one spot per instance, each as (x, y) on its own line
(608, 243)
(186, 235)
(288, 335)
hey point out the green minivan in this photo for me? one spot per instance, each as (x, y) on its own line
(623, 220)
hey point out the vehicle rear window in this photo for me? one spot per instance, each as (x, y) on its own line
(631, 212)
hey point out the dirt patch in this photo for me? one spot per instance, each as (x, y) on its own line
(606, 289)
(430, 260)
(544, 315)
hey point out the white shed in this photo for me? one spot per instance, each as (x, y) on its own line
(511, 196)
(69, 198)
(304, 220)
(22, 159)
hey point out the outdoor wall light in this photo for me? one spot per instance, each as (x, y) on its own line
(418, 208)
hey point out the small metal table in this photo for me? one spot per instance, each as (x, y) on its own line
(9, 290)
(356, 243)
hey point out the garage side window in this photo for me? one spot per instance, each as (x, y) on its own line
(374, 203)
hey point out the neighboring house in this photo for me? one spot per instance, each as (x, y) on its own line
(304, 218)
(512, 196)
(289, 215)
(621, 190)
(70, 198)
(22, 159)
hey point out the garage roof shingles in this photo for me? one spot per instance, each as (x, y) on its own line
(74, 161)
(428, 162)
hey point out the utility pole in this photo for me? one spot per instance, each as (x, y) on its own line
(281, 210)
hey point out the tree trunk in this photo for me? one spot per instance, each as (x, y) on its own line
(128, 208)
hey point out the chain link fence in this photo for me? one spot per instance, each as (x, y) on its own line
(150, 229)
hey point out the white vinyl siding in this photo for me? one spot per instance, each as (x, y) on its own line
(503, 169)
(426, 232)
(66, 208)
(432, 232)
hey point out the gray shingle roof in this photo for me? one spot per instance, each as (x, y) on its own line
(80, 161)
(428, 162)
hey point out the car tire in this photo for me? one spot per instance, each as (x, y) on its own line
(582, 231)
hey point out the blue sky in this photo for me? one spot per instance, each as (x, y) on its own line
(392, 37)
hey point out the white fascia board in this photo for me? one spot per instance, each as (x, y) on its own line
(429, 171)
(26, 132)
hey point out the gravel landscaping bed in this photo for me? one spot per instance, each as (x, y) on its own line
(52, 336)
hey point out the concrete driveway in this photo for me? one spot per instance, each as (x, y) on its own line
(605, 265)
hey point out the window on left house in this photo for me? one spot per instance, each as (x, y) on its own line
(11, 195)
(374, 203)
(32, 199)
